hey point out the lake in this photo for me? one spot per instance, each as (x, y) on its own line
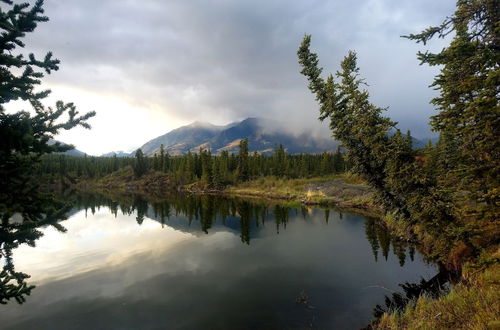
(191, 262)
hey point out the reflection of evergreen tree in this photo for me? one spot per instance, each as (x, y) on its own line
(259, 214)
(385, 242)
(141, 205)
(233, 208)
(399, 251)
(431, 288)
(371, 236)
(411, 252)
(327, 215)
(303, 211)
(162, 211)
(24, 137)
(245, 212)
(207, 212)
(263, 215)
(113, 207)
(12, 283)
(379, 237)
(280, 216)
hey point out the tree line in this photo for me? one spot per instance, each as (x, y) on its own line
(209, 170)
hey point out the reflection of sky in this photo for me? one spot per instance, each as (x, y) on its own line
(108, 272)
(92, 242)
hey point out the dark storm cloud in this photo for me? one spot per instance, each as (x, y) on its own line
(226, 60)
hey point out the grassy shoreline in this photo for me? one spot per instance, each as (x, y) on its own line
(343, 190)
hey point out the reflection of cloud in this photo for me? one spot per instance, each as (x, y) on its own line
(93, 243)
(225, 60)
(148, 277)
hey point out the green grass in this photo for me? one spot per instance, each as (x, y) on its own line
(341, 192)
(272, 186)
(472, 304)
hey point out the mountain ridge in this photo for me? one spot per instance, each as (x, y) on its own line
(263, 136)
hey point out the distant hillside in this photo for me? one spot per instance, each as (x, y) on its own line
(117, 153)
(72, 152)
(182, 139)
(261, 138)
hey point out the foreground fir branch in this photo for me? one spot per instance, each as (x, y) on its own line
(25, 138)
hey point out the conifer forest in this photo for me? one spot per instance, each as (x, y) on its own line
(257, 190)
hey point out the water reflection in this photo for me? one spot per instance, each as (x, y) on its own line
(432, 288)
(180, 261)
(21, 224)
(209, 209)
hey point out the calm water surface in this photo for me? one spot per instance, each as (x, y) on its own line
(208, 263)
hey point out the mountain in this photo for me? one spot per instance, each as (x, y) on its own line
(182, 139)
(117, 153)
(263, 136)
(72, 152)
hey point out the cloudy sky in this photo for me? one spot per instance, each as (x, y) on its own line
(148, 66)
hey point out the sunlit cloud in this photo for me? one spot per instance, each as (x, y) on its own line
(149, 66)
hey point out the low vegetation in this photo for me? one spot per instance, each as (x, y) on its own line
(334, 190)
(471, 304)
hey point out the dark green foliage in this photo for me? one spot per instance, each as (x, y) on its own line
(156, 163)
(243, 169)
(163, 159)
(213, 172)
(280, 161)
(206, 168)
(141, 164)
(448, 188)
(469, 114)
(384, 161)
(115, 163)
(432, 288)
(25, 138)
(338, 162)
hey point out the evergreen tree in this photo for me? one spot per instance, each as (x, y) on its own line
(326, 164)
(167, 163)
(224, 166)
(338, 161)
(140, 165)
(25, 139)
(384, 161)
(468, 103)
(216, 175)
(190, 167)
(243, 171)
(409, 140)
(280, 161)
(303, 168)
(156, 163)
(116, 166)
(468, 121)
(206, 169)
(163, 168)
